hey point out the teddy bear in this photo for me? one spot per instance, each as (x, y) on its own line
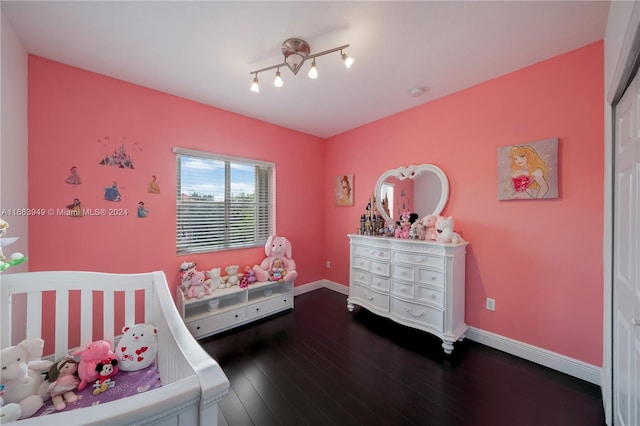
(444, 228)
(198, 289)
(276, 247)
(137, 347)
(232, 278)
(214, 280)
(429, 224)
(21, 375)
(90, 356)
(63, 379)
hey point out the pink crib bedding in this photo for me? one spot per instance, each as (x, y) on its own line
(125, 383)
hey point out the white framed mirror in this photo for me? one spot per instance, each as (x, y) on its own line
(422, 189)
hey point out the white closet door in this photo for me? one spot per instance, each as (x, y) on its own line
(626, 260)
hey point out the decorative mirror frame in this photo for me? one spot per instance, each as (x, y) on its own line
(411, 172)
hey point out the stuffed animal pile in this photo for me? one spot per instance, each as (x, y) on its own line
(277, 266)
(24, 390)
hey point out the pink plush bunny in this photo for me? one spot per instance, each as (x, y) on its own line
(276, 248)
(90, 356)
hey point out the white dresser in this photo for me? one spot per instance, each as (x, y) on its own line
(416, 283)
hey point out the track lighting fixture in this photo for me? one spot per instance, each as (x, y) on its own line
(295, 52)
(254, 85)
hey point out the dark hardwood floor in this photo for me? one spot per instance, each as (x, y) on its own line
(322, 365)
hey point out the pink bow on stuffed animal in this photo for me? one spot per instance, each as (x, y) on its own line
(90, 356)
(276, 248)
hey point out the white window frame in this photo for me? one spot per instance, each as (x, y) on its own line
(222, 222)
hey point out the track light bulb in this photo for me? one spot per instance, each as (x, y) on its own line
(254, 86)
(278, 81)
(313, 72)
(348, 61)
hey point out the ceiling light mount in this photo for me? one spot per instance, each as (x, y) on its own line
(296, 51)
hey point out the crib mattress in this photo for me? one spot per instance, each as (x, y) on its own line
(125, 383)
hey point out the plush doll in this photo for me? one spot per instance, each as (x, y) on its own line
(106, 369)
(276, 247)
(214, 280)
(21, 375)
(248, 277)
(404, 227)
(444, 228)
(10, 412)
(198, 289)
(186, 271)
(137, 347)
(232, 278)
(63, 380)
(277, 272)
(90, 356)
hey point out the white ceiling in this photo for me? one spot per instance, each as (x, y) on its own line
(205, 50)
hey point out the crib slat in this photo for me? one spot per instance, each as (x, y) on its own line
(108, 315)
(62, 323)
(148, 305)
(86, 313)
(129, 308)
(34, 314)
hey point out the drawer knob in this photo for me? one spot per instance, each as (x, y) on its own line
(433, 296)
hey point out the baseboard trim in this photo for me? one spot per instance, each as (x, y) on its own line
(564, 364)
(571, 366)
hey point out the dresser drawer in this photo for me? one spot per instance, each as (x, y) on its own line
(380, 268)
(420, 315)
(401, 272)
(360, 277)
(419, 259)
(430, 295)
(361, 263)
(215, 322)
(380, 283)
(431, 277)
(378, 300)
(401, 289)
(371, 252)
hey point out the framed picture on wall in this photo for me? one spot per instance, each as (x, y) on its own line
(528, 171)
(343, 190)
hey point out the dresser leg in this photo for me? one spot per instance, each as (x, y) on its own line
(447, 345)
(350, 306)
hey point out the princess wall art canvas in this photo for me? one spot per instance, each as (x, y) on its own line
(528, 171)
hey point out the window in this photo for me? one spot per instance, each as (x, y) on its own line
(222, 202)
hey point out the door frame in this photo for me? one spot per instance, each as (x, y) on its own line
(623, 72)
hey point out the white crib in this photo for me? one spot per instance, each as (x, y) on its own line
(192, 382)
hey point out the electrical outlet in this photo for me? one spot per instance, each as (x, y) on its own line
(491, 304)
(328, 264)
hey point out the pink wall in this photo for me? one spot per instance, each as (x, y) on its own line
(72, 112)
(540, 260)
